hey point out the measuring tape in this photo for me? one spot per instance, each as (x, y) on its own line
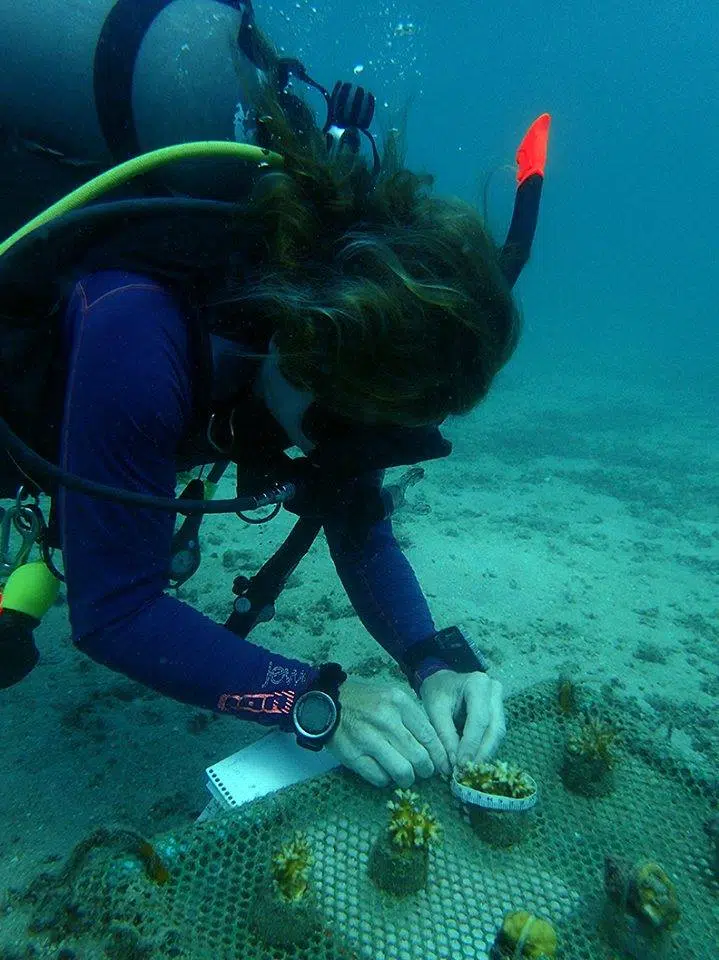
(491, 801)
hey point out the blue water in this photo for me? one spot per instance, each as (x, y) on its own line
(624, 267)
(577, 523)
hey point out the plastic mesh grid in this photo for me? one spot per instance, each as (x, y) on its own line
(107, 901)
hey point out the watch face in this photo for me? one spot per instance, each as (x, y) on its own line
(315, 713)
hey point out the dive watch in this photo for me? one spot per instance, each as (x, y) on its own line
(316, 714)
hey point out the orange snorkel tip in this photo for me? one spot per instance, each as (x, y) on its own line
(531, 160)
(532, 152)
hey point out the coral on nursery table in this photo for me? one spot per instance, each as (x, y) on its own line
(409, 824)
(596, 740)
(399, 861)
(499, 798)
(641, 908)
(285, 912)
(590, 756)
(291, 868)
(643, 889)
(522, 935)
(497, 778)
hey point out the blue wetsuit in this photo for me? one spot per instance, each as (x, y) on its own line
(128, 407)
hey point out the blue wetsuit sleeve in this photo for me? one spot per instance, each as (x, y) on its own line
(379, 580)
(128, 406)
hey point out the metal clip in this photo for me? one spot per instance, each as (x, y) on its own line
(225, 449)
(26, 520)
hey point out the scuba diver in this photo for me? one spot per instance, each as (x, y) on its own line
(338, 310)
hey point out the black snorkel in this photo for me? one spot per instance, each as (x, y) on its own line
(531, 160)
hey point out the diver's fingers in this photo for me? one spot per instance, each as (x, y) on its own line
(497, 728)
(371, 771)
(481, 727)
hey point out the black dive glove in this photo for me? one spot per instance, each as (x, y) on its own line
(18, 653)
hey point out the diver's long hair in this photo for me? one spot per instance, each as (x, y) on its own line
(384, 301)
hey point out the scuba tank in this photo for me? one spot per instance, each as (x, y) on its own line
(64, 63)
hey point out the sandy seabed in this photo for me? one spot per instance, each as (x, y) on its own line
(574, 531)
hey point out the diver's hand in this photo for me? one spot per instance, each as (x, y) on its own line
(384, 735)
(466, 711)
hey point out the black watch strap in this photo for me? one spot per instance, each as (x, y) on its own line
(451, 647)
(329, 679)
